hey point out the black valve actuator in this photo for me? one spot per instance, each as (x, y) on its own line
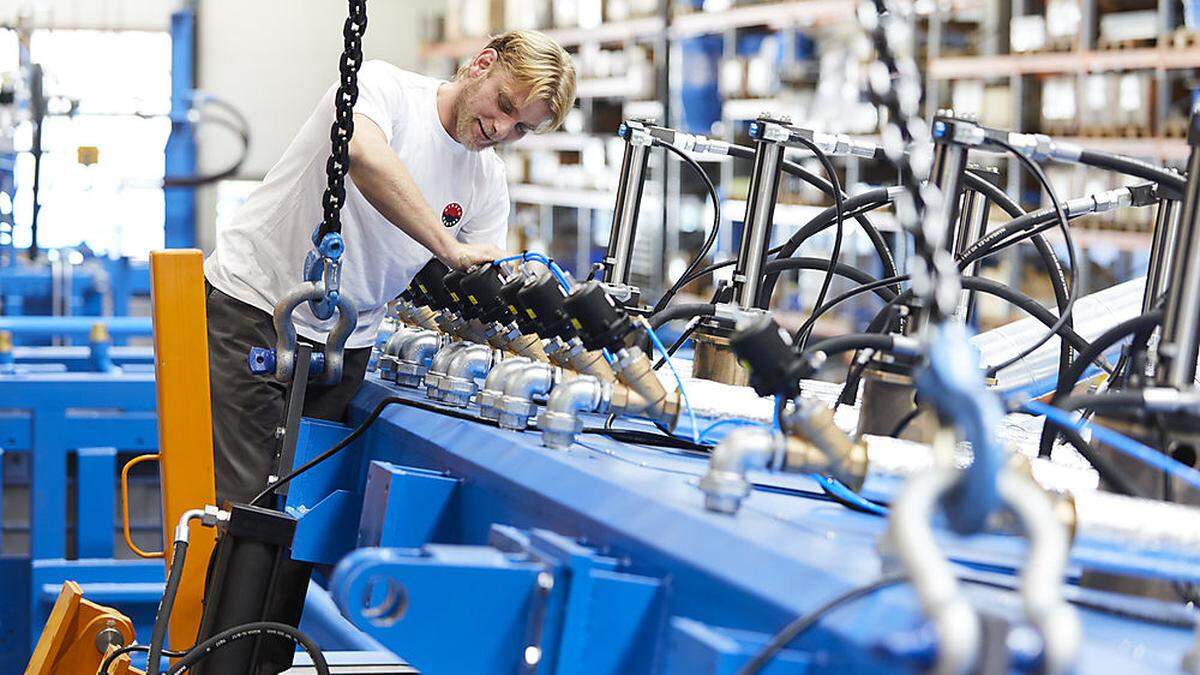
(543, 298)
(482, 287)
(601, 324)
(766, 350)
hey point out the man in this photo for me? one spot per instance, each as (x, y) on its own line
(423, 182)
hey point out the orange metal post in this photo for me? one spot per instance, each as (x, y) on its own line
(184, 420)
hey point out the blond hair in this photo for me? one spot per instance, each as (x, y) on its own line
(538, 62)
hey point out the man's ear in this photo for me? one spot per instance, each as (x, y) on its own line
(482, 62)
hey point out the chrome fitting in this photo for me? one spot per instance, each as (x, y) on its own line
(470, 363)
(493, 387)
(724, 484)
(389, 355)
(438, 367)
(516, 406)
(1112, 199)
(208, 516)
(561, 420)
(416, 354)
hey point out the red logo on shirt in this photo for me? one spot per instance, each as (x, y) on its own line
(451, 214)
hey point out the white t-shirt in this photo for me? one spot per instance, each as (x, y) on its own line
(259, 256)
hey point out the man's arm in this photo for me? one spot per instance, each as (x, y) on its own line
(384, 180)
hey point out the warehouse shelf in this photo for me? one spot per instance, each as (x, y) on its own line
(1010, 65)
(776, 15)
(606, 87)
(578, 198)
(613, 31)
(559, 141)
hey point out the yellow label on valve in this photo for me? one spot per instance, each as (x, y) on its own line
(87, 155)
(530, 313)
(473, 300)
(513, 309)
(576, 324)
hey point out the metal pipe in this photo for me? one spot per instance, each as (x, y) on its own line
(949, 163)
(560, 420)
(652, 398)
(632, 180)
(516, 406)
(756, 229)
(972, 224)
(470, 363)
(493, 386)
(1166, 226)
(1180, 344)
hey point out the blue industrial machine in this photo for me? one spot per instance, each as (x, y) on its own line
(523, 492)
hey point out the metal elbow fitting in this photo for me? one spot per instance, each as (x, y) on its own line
(416, 354)
(561, 420)
(389, 355)
(439, 365)
(469, 363)
(725, 485)
(516, 406)
(493, 386)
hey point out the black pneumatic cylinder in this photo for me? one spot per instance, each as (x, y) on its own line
(453, 281)
(510, 297)
(766, 350)
(429, 282)
(482, 288)
(601, 324)
(543, 298)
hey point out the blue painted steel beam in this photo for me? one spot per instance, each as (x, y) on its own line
(786, 552)
(180, 202)
(74, 326)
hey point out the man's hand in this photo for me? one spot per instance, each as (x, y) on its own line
(460, 256)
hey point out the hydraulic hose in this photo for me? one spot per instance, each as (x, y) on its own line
(1058, 278)
(709, 241)
(1171, 184)
(1103, 342)
(820, 264)
(980, 285)
(158, 634)
(857, 205)
(794, 169)
(1108, 471)
(256, 629)
(685, 310)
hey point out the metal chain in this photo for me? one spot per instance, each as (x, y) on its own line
(343, 122)
(894, 84)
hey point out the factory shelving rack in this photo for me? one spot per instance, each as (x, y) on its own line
(582, 213)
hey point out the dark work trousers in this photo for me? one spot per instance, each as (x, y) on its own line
(247, 408)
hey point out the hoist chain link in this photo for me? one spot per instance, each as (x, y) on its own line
(893, 83)
(342, 130)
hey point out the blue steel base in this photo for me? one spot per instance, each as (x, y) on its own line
(485, 514)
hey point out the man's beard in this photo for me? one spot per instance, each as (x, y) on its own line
(464, 121)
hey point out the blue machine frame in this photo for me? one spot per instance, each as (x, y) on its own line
(466, 548)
